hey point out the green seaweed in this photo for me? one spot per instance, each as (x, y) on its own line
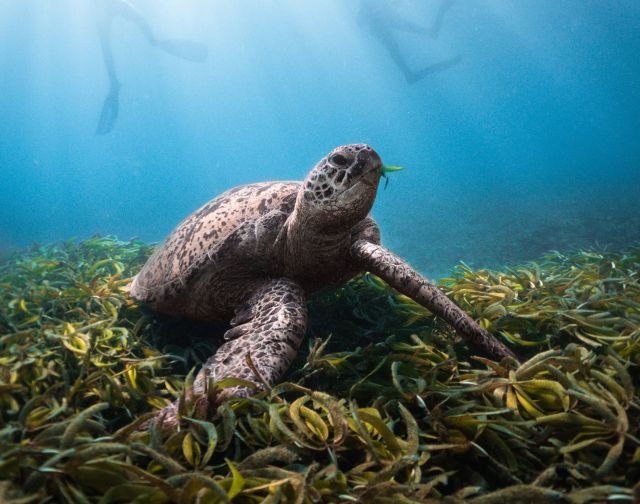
(386, 404)
(389, 169)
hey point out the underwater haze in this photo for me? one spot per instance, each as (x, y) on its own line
(521, 135)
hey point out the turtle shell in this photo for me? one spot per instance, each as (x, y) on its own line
(204, 243)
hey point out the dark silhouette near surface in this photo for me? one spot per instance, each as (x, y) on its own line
(383, 22)
(107, 11)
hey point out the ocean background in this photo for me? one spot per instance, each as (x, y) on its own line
(531, 143)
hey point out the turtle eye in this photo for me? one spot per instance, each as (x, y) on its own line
(338, 159)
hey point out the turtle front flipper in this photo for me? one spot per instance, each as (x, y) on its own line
(262, 343)
(402, 277)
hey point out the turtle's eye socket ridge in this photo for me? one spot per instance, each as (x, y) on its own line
(338, 159)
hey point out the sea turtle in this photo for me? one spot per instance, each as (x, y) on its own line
(254, 254)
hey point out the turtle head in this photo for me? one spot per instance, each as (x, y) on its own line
(340, 190)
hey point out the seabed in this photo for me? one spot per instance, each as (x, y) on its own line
(385, 405)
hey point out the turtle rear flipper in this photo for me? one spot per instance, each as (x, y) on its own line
(259, 349)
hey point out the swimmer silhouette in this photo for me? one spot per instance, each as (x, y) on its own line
(107, 11)
(382, 21)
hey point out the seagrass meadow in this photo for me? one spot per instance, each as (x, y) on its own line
(385, 404)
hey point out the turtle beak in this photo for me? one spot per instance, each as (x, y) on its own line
(366, 181)
(370, 178)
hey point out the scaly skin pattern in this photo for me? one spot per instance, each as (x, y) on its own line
(268, 330)
(402, 277)
(255, 253)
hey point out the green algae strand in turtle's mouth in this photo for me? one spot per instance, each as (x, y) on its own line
(389, 169)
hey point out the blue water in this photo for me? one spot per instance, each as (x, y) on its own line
(530, 143)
